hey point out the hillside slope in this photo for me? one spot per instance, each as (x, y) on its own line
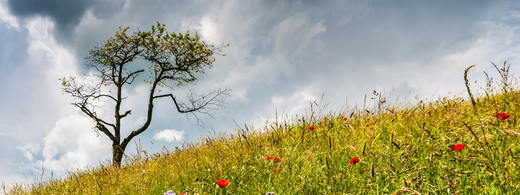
(446, 146)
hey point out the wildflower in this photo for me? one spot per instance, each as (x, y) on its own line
(169, 192)
(222, 183)
(276, 171)
(269, 158)
(354, 160)
(458, 147)
(481, 187)
(312, 128)
(276, 160)
(346, 118)
(502, 115)
(269, 193)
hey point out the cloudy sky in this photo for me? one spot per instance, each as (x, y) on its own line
(282, 55)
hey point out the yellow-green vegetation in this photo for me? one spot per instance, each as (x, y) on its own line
(445, 146)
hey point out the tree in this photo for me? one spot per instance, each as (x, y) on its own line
(174, 57)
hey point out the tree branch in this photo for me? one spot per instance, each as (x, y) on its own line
(200, 104)
(126, 113)
(93, 115)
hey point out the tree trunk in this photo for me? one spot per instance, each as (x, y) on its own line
(117, 155)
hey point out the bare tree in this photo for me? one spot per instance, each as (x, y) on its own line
(175, 58)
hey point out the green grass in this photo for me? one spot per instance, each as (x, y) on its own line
(403, 149)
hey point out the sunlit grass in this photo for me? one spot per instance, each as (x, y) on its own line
(444, 146)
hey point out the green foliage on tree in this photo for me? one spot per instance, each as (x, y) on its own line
(174, 58)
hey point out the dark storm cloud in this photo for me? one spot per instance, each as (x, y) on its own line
(394, 29)
(385, 35)
(65, 14)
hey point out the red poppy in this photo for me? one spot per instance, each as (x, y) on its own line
(458, 147)
(312, 128)
(276, 171)
(269, 158)
(481, 187)
(346, 118)
(502, 115)
(354, 160)
(222, 183)
(276, 160)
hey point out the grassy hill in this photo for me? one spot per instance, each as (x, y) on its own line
(445, 146)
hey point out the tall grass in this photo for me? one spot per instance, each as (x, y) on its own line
(402, 149)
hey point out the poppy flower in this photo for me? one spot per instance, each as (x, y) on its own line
(276, 171)
(222, 183)
(502, 115)
(312, 128)
(346, 118)
(269, 158)
(458, 147)
(276, 160)
(354, 160)
(481, 187)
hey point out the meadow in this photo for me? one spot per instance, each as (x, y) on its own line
(466, 144)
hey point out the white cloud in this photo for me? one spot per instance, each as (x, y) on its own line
(169, 135)
(207, 28)
(29, 150)
(74, 139)
(295, 104)
(10, 172)
(6, 17)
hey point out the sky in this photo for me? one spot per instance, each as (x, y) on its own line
(282, 56)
